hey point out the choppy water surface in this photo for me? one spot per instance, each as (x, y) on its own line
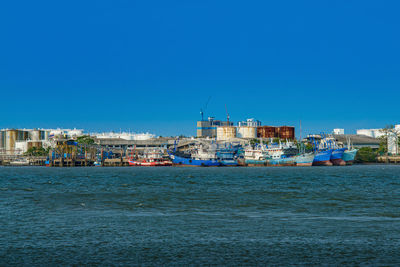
(200, 216)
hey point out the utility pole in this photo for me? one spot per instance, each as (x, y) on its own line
(227, 115)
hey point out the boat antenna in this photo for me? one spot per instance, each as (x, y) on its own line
(204, 109)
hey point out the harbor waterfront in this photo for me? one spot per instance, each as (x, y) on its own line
(219, 143)
(200, 216)
(205, 152)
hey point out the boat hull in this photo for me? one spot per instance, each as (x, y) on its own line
(305, 160)
(336, 157)
(323, 158)
(229, 162)
(282, 162)
(176, 160)
(255, 162)
(19, 163)
(149, 163)
(349, 155)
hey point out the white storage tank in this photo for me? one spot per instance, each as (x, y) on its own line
(21, 147)
(226, 132)
(246, 132)
(56, 132)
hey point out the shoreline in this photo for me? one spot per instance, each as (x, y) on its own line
(188, 166)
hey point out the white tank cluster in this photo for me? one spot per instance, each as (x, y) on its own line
(70, 133)
(245, 129)
(124, 136)
(230, 132)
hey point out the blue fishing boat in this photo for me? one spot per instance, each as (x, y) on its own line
(189, 161)
(336, 157)
(227, 157)
(200, 155)
(349, 155)
(322, 158)
(323, 149)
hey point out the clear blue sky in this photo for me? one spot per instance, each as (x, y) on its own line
(151, 65)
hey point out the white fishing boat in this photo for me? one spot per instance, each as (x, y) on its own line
(20, 162)
(255, 154)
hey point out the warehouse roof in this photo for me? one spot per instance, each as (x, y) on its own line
(357, 140)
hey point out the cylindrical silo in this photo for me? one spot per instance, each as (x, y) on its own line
(246, 132)
(286, 132)
(226, 132)
(34, 135)
(1, 139)
(11, 137)
(46, 135)
(267, 132)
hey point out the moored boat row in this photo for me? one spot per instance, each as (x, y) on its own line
(275, 154)
(329, 153)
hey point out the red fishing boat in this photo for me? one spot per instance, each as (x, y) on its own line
(151, 158)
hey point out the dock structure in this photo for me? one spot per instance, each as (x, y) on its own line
(389, 159)
(6, 160)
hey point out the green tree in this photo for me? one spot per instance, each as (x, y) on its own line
(254, 141)
(309, 147)
(276, 140)
(37, 151)
(366, 154)
(85, 140)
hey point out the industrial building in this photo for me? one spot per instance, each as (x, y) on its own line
(18, 141)
(249, 129)
(338, 131)
(377, 133)
(249, 123)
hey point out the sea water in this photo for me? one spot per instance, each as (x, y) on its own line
(200, 216)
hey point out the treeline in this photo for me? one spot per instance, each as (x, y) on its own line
(367, 155)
